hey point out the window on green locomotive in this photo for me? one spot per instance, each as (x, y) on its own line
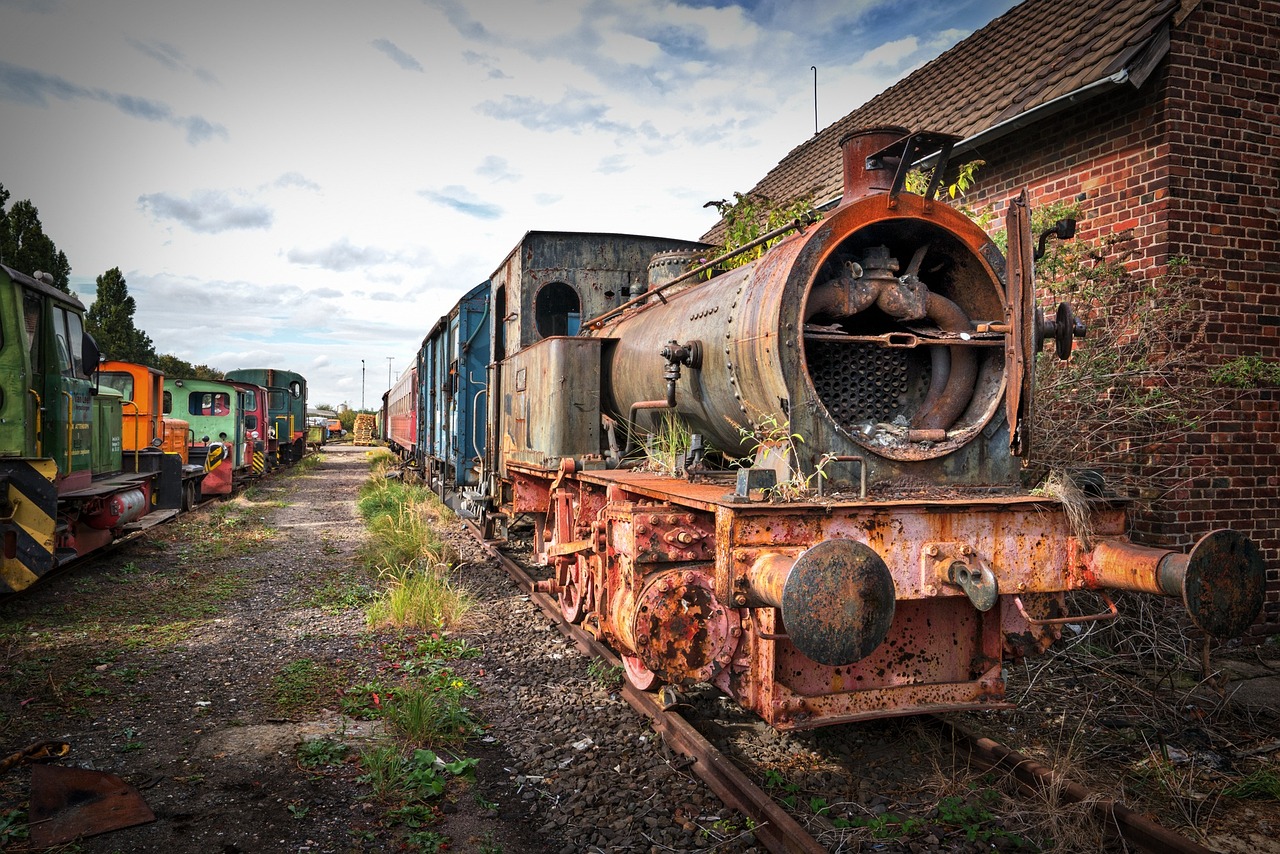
(118, 380)
(31, 305)
(75, 337)
(209, 403)
(168, 403)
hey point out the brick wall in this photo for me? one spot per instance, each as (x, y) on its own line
(1221, 98)
(1183, 167)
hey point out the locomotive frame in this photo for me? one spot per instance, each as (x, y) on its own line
(86, 457)
(891, 348)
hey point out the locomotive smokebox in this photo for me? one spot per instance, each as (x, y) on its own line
(874, 333)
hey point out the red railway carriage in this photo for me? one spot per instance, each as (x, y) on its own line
(401, 413)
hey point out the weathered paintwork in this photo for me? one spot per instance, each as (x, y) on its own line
(451, 365)
(879, 353)
(286, 409)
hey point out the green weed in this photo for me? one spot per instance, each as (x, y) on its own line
(604, 674)
(300, 684)
(321, 752)
(1260, 785)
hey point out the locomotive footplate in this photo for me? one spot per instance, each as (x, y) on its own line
(811, 613)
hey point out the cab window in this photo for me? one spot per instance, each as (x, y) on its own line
(121, 382)
(209, 403)
(31, 305)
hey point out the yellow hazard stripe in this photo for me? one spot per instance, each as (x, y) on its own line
(29, 516)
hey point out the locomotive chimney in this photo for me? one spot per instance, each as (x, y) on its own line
(861, 178)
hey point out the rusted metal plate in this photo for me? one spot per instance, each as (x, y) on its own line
(1224, 583)
(71, 803)
(838, 602)
(1020, 352)
(681, 632)
(558, 413)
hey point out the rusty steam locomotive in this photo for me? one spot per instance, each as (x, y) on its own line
(878, 556)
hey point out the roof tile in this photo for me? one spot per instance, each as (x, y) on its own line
(1037, 51)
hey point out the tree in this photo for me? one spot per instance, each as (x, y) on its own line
(172, 366)
(110, 321)
(25, 247)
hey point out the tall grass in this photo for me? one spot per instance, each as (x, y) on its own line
(406, 549)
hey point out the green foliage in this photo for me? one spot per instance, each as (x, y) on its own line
(321, 752)
(446, 648)
(1137, 383)
(774, 446)
(966, 176)
(13, 822)
(110, 321)
(25, 247)
(434, 713)
(172, 366)
(604, 674)
(666, 448)
(301, 684)
(406, 549)
(751, 215)
(1260, 785)
(411, 783)
(1247, 372)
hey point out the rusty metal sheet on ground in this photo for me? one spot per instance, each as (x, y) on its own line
(72, 803)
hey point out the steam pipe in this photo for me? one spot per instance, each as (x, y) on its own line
(962, 376)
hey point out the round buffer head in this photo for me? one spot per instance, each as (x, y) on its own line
(838, 602)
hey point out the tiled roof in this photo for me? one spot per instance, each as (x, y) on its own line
(1037, 51)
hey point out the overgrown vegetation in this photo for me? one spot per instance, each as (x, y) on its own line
(405, 549)
(751, 215)
(1246, 372)
(425, 708)
(1138, 383)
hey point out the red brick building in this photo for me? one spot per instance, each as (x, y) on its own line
(1159, 117)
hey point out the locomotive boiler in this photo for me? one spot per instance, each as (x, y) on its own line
(878, 555)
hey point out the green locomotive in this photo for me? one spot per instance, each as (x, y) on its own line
(65, 488)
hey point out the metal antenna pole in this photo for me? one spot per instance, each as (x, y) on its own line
(362, 385)
(815, 99)
(389, 358)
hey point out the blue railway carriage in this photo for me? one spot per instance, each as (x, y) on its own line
(451, 367)
(286, 411)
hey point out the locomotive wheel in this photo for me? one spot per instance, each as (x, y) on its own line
(188, 496)
(638, 673)
(576, 591)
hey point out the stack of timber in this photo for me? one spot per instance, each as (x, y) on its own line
(364, 429)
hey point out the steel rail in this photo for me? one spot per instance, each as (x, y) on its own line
(1046, 783)
(777, 829)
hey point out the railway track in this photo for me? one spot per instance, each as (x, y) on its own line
(780, 830)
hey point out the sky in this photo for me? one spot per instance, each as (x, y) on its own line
(311, 184)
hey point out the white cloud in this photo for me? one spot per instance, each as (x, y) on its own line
(350, 170)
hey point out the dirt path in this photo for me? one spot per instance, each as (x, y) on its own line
(192, 663)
